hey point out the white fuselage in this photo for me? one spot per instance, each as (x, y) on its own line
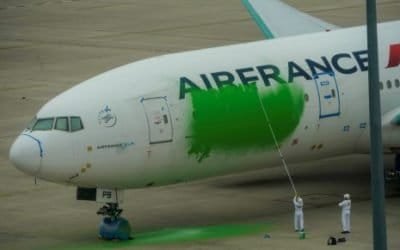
(145, 125)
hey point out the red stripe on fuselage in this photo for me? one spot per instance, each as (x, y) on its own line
(394, 58)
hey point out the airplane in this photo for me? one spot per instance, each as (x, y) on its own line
(191, 115)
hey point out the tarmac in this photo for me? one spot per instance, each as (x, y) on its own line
(47, 47)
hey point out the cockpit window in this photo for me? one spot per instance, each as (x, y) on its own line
(31, 123)
(76, 123)
(43, 124)
(62, 124)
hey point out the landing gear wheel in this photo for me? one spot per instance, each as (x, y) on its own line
(112, 226)
(115, 229)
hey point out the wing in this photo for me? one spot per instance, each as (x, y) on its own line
(277, 19)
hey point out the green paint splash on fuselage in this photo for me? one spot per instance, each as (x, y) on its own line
(231, 119)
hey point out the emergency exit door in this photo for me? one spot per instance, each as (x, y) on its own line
(158, 119)
(328, 95)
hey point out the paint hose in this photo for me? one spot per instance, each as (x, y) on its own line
(277, 146)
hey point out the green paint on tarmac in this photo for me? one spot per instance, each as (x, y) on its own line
(231, 119)
(178, 235)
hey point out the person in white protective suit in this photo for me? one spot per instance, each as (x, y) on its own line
(298, 214)
(346, 210)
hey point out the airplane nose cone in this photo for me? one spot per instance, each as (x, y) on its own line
(26, 154)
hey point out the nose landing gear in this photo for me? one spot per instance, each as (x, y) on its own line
(113, 226)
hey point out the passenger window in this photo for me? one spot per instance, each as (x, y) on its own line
(306, 97)
(76, 123)
(389, 84)
(397, 83)
(43, 124)
(62, 124)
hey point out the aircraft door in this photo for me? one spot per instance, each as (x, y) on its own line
(158, 119)
(328, 94)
